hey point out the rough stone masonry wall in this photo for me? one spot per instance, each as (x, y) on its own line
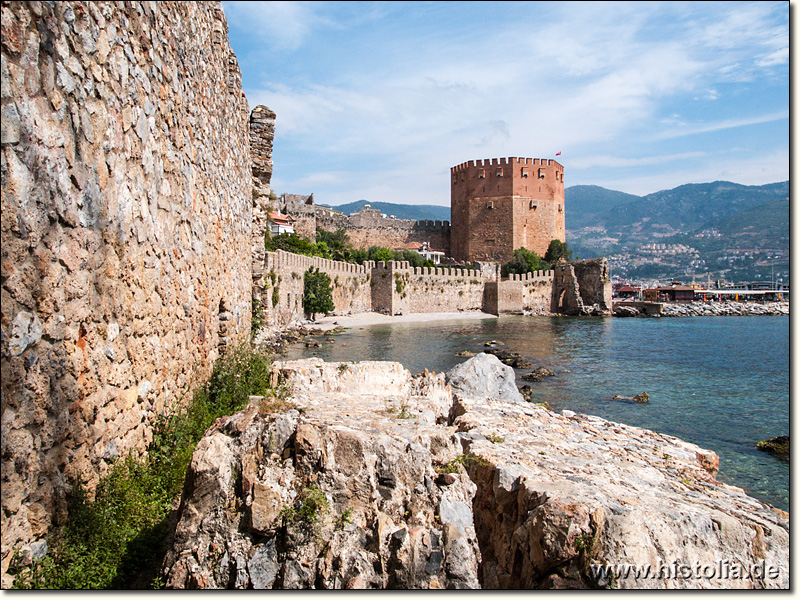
(282, 298)
(400, 289)
(531, 292)
(262, 134)
(126, 210)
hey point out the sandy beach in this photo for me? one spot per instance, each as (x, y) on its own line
(372, 318)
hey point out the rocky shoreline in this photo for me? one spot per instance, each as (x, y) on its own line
(707, 309)
(369, 477)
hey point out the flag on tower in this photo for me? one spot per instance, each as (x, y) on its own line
(558, 153)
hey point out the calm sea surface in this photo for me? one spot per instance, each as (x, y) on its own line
(719, 382)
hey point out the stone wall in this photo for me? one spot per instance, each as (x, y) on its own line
(528, 293)
(262, 134)
(582, 287)
(282, 299)
(398, 288)
(126, 211)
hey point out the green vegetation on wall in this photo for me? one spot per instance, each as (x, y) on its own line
(117, 540)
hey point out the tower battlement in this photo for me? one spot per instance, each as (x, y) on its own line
(511, 161)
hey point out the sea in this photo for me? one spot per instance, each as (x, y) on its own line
(719, 382)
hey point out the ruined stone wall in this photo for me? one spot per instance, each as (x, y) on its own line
(282, 299)
(594, 279)
(126, 210)
(262, 134)
(401, 289)
(367, 227)
(305, 213)
(499, 205)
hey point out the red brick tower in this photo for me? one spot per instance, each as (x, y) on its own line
(499, 205)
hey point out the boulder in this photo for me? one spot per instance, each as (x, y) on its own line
(484, 376)
(625, 311)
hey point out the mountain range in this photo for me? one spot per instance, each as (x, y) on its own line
(738, 231)
(598, 218)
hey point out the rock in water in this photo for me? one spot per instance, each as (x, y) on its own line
(484, 376)
(384, 480)
(779, 446)
(642, 398)
(538, 374)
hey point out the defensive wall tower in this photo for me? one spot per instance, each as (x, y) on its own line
(499, 205)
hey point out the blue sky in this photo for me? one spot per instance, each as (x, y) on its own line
(377, 100)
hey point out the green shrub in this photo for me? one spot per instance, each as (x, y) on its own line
(524, 261)
(317, 292)
(308, 508)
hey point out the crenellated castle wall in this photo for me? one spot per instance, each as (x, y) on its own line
(126, 223)
(282, 298)
(398, 288)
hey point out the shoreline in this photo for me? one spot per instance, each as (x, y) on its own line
(373, 318)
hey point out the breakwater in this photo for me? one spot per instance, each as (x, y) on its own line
(700, 309)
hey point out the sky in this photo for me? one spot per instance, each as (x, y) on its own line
(378, 100)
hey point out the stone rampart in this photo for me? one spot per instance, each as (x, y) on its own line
(528, 293)
(126, 222)
(282, 298)
(398, 288)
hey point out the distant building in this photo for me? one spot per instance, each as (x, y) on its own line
(672, 293)
(628, 292)
(424, 250)
(280, 223)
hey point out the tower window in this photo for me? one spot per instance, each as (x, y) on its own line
(541, 173)
(490, 204)
(482, 174)
(524, 172)
(499, 172)
(534, 205)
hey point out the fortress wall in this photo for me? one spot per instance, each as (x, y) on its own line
(282, 298)
(594, 280)
(262, 134)
(401, 289)
(126, 223)
(369, 228)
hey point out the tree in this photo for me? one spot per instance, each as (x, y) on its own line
(556, 251)
(338, 243)
(317, 292)
(524, 261)
(379, 253)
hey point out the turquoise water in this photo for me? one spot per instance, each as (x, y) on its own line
(719, 382)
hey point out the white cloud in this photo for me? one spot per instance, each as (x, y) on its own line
(693, 129)
(598, 74)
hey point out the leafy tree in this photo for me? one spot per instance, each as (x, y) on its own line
(413, 258)
(556, 251)
(378, 253)
(317, 292)
(524, 261)
(338, 242)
